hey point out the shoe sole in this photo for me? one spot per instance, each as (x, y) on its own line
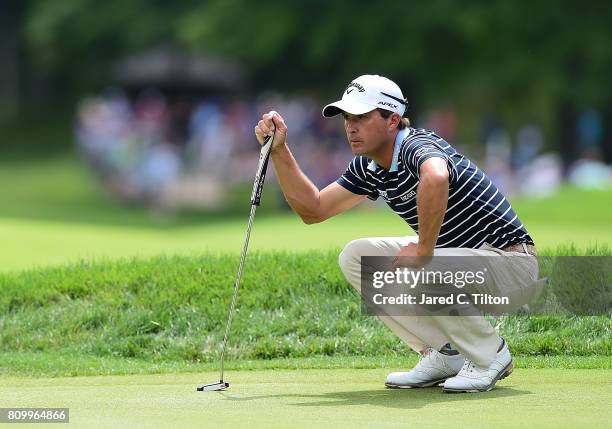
(502, 374)
(417, 385)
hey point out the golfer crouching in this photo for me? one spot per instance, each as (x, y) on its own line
(452, 206)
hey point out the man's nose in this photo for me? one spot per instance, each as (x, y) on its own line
(351, 126)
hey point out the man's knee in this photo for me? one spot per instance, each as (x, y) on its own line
(352, 252)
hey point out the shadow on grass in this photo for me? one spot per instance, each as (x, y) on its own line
(387, 398)
(137, 218)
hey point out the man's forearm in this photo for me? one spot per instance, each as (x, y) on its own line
(301, 194)
(432, 199)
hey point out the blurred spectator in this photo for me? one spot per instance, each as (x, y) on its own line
(443, 121)
(537, 174)
(145, 148)
(589, 171)
(174, 152)
(497, 160)
(529, 143)
(590, 129)
(541, 176)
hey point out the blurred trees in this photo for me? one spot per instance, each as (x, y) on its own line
(541, 60)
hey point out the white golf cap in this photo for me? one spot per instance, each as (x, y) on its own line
(366, 93)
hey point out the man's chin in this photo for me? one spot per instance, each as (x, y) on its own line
(357, 150)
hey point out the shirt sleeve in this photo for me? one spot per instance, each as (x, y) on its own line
(415, 153)
(355, 179)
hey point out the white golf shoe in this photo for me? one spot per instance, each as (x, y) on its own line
(433, 368)
(473, 378)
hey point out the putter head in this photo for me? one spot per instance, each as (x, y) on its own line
(213, 387)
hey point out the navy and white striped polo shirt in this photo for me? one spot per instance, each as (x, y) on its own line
(476, 213)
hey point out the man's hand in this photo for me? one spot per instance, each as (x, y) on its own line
(412, 256)
(270, 122)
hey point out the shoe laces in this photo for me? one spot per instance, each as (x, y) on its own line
(468, 366)
(425, 353)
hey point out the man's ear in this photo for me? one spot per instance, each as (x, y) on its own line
(395, 119)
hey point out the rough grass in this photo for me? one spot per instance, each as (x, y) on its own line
(172, 310)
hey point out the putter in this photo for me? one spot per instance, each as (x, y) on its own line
(260, 177)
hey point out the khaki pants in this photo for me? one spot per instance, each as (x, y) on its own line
(473, 336)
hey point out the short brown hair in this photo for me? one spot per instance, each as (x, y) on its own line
(403, 123)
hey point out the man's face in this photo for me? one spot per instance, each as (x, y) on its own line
(366, 133)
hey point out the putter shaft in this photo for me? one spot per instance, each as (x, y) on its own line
(255, 200)
(236, 286)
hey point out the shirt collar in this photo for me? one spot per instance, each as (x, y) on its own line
(401, 135)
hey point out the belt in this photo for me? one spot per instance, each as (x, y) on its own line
(521, 248)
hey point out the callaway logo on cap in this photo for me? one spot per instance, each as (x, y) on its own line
(366, 93)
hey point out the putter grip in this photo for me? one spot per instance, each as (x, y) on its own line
(260, 177)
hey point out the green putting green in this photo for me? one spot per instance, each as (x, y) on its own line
(542, 398)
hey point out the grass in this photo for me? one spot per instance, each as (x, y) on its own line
(97, 307)
(172, 310)
(61, 364)
(53, 212)
(301, 354)
(543, 398)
